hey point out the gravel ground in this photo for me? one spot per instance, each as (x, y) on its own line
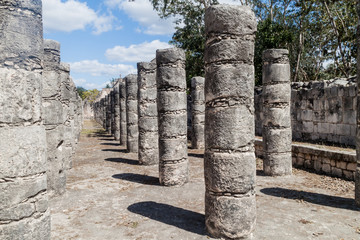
(110, 196)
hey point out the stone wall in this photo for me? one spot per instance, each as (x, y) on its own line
(323, 111)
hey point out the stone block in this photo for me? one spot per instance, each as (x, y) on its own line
(326, 168)
(277, 117)
(171, 77)
(172, 125)
(277, 73)
(229, 80)
(230, 172)
(171, 174)
(171, 101)
(226, 128)
(277, 140)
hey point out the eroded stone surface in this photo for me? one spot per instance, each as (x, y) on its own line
(230, 207)
(198, 112)
(172, 116)
(132, 140)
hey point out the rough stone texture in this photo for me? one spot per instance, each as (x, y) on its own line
(357, 173)
(117, 111)
(108, 113)
(23, 166)
(123, 125)
(132, 140)
(321, 111)
(53, 118)
(172, 116)
(276, 107)
(198, 112)
(148, 116)
(229, 160)
(112, 109)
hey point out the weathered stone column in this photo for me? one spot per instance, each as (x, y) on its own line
(172, 116)
(66, 95)
(230, 171)
(132, 143)
(147, 110)
(117, 110)
(53, 118)
(276, 131)
(23, 188)
(108, 113)
(123, 125)
(112, 109)
(357, 173)
(198, 112)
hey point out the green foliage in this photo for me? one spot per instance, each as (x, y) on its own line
(319, 34)
(81, 91)
(91, 95)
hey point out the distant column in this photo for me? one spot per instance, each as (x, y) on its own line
(229, 160)
(277, 120)
(357, 173)
(53, 118)
(147, 109)
(108, 113)
(172, 116)
(198, 112)
(132, 142)
(24, 212)
(123, 127)
(117, 111)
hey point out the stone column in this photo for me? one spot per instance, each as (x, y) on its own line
(198, 112)
(53, 118)
(112, 108)
(147, 110)
(132, 143)
(276, 131)
(229, 160)
(66, 96)
(23, 188)
(123, 127)
(172, 116)
(357, 172)
(117, 110)
(104, 108)
(108, 113)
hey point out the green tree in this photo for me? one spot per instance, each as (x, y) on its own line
(81, 91)
(91, 95)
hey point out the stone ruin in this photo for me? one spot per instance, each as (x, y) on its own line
(40, 122)
(41, 119)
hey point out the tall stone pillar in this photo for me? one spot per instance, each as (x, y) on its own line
(108, 113)
(104, 108)
(277, 134)
(229, 160)
(172, 116)
(53, 118)
(357, 172)
(132, 142)
(66, 96)
(23, 188)
(147, 109)
(112, 109)
(123, 125)
(117, 110)
(198, 112)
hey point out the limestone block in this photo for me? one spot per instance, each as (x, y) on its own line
(173, 149)
(229, 216)
(26, 157)
(230, 172)
(171, 101)
(173, 174)
(226, 126)
(278, 164)
(277, 140)
(52, 112)
(172, 125)
(229, 80)
(277, 117)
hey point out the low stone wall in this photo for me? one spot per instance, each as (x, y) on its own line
(322, 159)
(322, 111)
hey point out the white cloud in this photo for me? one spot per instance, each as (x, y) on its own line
(142, 12)
(73, 15)
(95, 68)
(142, 52)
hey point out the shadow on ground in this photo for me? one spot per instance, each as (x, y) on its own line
(316, 198)
(181, 218)
(123, 160)
(196, 155)
(115, 150)
(138, 178)
(110, 144)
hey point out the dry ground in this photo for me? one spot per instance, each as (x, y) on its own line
(110, 196)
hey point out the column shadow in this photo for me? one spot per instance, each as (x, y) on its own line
(122, 160)
(196, 155)
(316, 198)
(110, 144)
(115, 150)
(138, 178)
(178, 217)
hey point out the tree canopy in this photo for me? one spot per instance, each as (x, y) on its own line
(319, 34)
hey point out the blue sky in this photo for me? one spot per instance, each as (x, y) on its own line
(105, 39)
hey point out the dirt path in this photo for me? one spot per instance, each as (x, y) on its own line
(110, 197)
